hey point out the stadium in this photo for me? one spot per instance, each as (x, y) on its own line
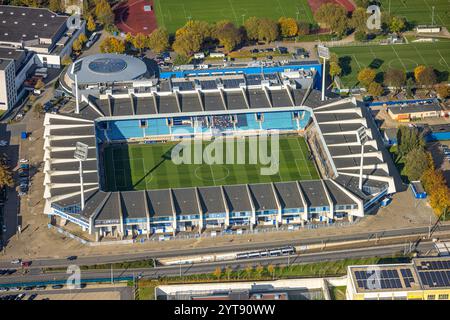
(131, 186)
(95, 70)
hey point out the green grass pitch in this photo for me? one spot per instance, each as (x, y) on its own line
(173, 14)
(403, 56)
(420, 11)
(148, 166)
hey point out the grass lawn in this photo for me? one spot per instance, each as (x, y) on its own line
(173, 14)
(149, 166)
(420, 11)
(338, 293)
(382, 57)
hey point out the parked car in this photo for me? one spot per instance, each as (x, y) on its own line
(23, 160)
(24, 166)
(26, 264)
(3, 289)
(16, 261)
(4, 229)
(71, 258)
(57, 286)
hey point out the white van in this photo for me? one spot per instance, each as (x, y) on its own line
(217, 55)
(199, 55)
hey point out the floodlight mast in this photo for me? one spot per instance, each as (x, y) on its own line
(81, 153)
(76, 95)
(324, 53)
(362, 138)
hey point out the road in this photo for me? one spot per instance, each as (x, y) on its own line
(154, 273)
(90, 260)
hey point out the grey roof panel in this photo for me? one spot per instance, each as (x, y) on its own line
(159, 203)
(211, 200)
(133, 204)
(237, 198)
(314, 193)
(263, 197)
(185, 201)
(288, 194)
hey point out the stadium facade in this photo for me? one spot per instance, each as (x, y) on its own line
(231, 104)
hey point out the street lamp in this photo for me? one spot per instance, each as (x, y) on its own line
(362, 138)
(81, 153)
(76, 67)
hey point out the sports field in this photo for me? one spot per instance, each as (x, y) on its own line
(172, 14)
(420, 11)
(382, 57)
(149, 166)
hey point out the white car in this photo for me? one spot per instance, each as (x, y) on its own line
(4, 228)
(3, 289)
(16, 261)
(23, 160)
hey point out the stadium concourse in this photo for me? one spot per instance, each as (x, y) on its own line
(207, 107)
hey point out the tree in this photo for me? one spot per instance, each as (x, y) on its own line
(251, 26)
(39, 84)
(360, 36)
(190, 37)
(158, 40)
(77, 45)
(259, 270)
(38, 109)
(416, 162)
(186, 44)
(303, 28)
(334, 16)
(228, 271)
(249, 270)
(271, 270)
(417, 71)
(218, 272)
(397, 24)
(438, 192)
(288, 27)
(366, 76)
(139, 41)
(427, 77)
(82, 38)
(359, 20)
(112, 45)
(66, 60)
(6, 179)
(375, 89)
(334, 69)
(395, 78)
(362, 3)
(104, 13)
(55, 5)
(268, 30)
(91, 26)
(443, 90)
(228, 34)
(409, 87)
(408, 140)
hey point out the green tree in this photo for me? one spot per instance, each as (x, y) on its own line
(334, 16)
(416, 162)
(77, 45)
(409, 139)
(268, 30)
(38, 109)
(39, 84)
(334, 69)
(228, 34)
(251, 26)
(112, 45)
(259, 270)
(158, 40)
(271, 270)
(397, 24)
(104, 13)
(359, 20)
(82, 38)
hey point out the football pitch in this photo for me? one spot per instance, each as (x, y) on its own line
(173, 14)
(149, 166)
(420, 11)
(402, 56)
